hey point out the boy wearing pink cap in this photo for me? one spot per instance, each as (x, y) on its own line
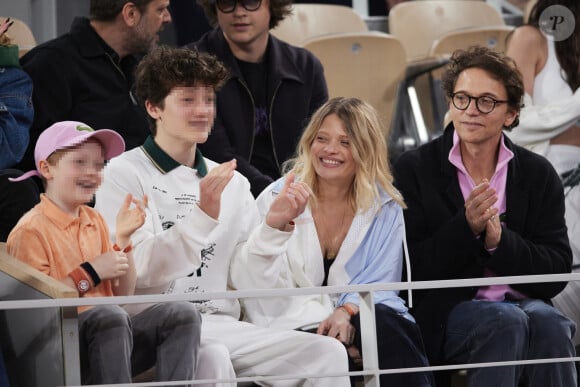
(68, 240)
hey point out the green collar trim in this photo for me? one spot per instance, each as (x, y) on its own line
(165, 163)
(9, 56)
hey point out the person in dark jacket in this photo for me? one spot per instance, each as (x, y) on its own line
(273, 91)
(16, 114)
(480, 206)
(87, 74)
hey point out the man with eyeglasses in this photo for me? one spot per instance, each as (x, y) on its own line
(484, 104)
(273, 90)
(87, 74)
(480, 206)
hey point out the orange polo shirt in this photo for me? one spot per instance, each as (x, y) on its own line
(56, 243)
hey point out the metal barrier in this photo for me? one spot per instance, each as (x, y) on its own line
(370, 371)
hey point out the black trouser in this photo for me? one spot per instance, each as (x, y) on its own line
(399, 345)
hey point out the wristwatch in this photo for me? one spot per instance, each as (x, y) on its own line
(83, 286)
(81, 280)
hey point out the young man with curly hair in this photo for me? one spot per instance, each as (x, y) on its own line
(273, 91)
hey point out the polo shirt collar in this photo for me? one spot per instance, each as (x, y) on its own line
(504, 156)
(9, 56)
(60, 218)
(165, 163)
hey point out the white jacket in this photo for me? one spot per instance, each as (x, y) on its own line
(179, 249)
(372, 252)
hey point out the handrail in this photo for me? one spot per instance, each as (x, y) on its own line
(258, 293)
(371, 370)
(22, 272)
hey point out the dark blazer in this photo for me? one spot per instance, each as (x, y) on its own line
(78, 77)
(296, 88)
(441, 245)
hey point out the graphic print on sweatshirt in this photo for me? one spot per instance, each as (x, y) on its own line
(182, 205)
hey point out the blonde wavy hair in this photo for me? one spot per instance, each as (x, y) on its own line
(367, 144)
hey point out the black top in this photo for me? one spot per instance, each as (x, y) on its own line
(327, 263)
(256, 77)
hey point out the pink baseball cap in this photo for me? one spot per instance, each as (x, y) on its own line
(67, 134)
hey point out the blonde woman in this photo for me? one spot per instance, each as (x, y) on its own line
(335, 219)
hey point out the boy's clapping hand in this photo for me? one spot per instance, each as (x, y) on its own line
(212, 186)
(130, 219)
(111, 265)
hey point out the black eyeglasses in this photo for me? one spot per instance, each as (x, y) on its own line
(228, 6)
(484, 103)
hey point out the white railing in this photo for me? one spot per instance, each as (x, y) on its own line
(370, 372)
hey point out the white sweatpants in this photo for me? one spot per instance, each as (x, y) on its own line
(230, 347)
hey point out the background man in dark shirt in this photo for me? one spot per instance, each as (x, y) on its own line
(87, 74)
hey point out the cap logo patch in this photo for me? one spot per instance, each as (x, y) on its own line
(83, 128)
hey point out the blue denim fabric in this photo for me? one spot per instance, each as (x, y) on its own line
(16, 114)
(484, 331)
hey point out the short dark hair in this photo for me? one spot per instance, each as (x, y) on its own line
(107, 10)
(498, 66)
(279, 10)
(166, 67)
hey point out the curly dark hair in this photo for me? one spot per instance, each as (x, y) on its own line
(567, 50)
(279, 10)
(498, 66)
(165, 68)
(107, 10)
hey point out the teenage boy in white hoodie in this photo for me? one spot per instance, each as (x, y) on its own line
(200, 215)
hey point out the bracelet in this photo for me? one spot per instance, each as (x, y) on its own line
(127, 248)
(344, 310)
(92, 273)
(81, 280)
(348, 309)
